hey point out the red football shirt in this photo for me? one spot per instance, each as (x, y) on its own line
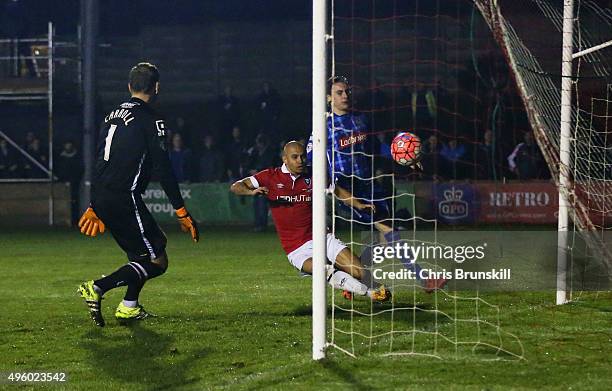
(291, 204)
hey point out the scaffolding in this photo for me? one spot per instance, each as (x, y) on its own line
(39, 62)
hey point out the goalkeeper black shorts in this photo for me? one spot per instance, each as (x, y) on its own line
(131, 224)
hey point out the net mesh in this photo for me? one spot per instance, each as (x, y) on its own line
(432, 69)
(523, 30)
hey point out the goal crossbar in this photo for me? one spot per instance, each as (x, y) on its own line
(592, 49)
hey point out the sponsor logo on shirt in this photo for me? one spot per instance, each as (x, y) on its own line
(346, 142)
(296, 198)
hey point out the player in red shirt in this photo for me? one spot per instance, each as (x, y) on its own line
(289, 192)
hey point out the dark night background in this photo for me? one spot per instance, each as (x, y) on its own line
(394, 52)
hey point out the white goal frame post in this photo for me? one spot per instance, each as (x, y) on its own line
(568, 56)
(319, 177)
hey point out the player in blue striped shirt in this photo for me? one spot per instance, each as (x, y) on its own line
(350, 156)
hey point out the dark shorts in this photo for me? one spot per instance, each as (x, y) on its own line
(131, 224)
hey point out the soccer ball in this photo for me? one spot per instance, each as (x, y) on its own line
(406, 149)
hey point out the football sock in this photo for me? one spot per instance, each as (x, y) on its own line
(132, 293)
(125, 275)
(130, 303)
(344, 281)
(130, 273)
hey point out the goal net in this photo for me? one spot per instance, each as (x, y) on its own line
(529, 33)
(431, 68)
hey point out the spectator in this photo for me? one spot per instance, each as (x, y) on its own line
(33, 148)
(188, 137)
(418, 104)
(432, 166)
(9, 166)
(69, 166)
(229, 110)
(262, 157)
(29, 137)
(69, 169)
(453, 155)
(236, 156)
(212, 161)
(485, 158)
(526, 160)
(268, 105)
(181, 159)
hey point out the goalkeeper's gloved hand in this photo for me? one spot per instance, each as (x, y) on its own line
(188, 224)
(90, 223)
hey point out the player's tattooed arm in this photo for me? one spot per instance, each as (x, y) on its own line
(246, 187)
(346, 197)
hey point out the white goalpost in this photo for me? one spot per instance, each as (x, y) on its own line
(319, 177)
(564, 148)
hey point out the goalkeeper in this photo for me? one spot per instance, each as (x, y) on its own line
(132, 146)
(350, 157)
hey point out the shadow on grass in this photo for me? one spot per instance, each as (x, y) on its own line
(601, 306)
(421, 314)
(482, 351)
(141, 357)
(344, 374)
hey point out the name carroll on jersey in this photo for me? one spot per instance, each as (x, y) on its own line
(122, 113)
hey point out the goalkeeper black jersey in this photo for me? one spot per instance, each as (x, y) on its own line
(131, 147)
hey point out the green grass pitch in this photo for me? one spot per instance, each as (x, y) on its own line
(233, 314)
